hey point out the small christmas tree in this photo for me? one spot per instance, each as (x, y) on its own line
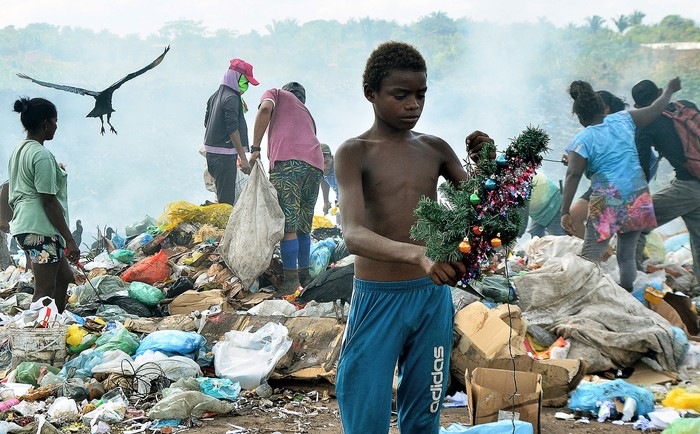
(482, 214)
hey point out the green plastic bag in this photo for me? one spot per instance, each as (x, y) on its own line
(117, 339)
(683, 426)
(28, 372)
(123, 255)
(145, 293)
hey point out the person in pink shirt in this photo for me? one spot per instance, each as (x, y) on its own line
(296, 169)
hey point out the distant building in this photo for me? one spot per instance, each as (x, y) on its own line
(663, 53)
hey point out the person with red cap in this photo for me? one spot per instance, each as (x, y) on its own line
(296, 169)
(226, 131)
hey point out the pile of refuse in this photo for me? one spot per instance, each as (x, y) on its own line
(137, 343)
(161, 330)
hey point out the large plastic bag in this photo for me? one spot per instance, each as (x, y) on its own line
(587, 395)
(677, 242)
(145, 293)
(140, 226)
(186, 405)
(79, 339)
(172, 341)
(680, 399)
(320, 256)
(249, 358)
(174, 367)
(683, 426)
(125, 256)
(148, 270)
(106, 286)
(185, 212)
(655, 280)
(117, 339)
(84, 363)
(64, 409)
(254, 227)
(28, 372)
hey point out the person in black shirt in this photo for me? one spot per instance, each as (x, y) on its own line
(681, 198)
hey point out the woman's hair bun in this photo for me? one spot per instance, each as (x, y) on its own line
(21, 105)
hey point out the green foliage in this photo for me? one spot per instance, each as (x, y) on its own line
(443, 225)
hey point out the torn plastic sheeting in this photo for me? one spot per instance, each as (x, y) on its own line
(219, 388)
(572, 298)
(500, 427)
(249, 358)
(189, 404)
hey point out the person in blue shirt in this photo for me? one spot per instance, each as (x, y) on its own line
(606, 152)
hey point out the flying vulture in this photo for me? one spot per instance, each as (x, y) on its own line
(103, 99)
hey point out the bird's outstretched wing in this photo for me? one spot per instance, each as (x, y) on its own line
(71, 89)
(140, 71)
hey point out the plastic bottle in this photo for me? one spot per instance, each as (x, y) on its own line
(629, 409)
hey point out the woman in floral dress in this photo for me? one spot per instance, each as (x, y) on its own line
(605, 151)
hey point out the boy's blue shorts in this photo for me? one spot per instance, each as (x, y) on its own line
(409, 323)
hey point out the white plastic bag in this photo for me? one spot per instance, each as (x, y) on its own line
(256, 224)
(249, 358)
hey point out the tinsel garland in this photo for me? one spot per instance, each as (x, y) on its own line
(471, 222)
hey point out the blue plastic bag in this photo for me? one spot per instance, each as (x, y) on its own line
(587, 395)
(220, 388)
(680, 345)
(677, 242)
(320, 256)
(84, 363)
(118, 241)
(172, 342)
(500, 427)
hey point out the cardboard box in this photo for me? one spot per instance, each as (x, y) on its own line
(193, 300)
(492, 396)
(486, 330)
(483, 336)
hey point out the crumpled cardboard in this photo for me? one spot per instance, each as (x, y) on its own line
(192, 300)
(482, 342)
(493, 396)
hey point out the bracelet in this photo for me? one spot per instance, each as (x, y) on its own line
(255, 149)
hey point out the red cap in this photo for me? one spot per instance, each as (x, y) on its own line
(244, 68)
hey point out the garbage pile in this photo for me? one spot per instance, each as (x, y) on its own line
(130, 348)
(160, 332)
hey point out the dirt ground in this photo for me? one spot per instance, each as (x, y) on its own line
(322, 417)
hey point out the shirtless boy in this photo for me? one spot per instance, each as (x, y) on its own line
(401, 307)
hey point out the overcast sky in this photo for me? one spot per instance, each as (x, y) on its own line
(148, 16)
